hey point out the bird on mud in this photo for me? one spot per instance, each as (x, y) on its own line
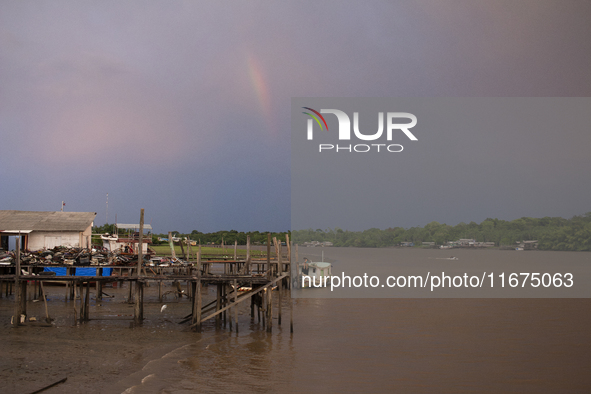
(163, 308)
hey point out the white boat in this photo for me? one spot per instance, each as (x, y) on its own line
(316, 274)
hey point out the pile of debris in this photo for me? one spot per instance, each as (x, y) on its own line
(63, 255)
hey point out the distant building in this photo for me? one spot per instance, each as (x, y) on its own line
(527, 245)
(130, 242)
(39, 230)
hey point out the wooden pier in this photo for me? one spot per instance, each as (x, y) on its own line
(227, 276)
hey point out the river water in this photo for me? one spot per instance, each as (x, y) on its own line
(338, 345)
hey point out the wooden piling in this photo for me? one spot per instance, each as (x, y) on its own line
(47, 318)
(160, 285)
(280, 291)
(197, 304)
(171, 243)
(99, 285)
(197, 299)
(247, 265)
(87, 303)
(236, 304)
(270, 309)
(79, 290)
(218, 304)
(268, 253)
(183, 250)
(138, 312)
(224, 303)
(18, 299)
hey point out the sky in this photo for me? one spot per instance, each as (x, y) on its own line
(183, 108)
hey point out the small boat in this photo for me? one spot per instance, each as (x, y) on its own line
(319, 274)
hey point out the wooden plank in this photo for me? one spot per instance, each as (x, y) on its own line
(243, 297)
(49, 386)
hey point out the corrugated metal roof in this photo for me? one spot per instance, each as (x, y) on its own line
(45, 221)
(133, 226)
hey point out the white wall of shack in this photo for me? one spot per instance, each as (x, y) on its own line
(50, 239)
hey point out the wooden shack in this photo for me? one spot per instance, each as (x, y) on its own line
(46, 229)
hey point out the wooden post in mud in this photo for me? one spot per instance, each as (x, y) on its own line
(279, 301)
(72, 272)
(79, 289)
(86, 316)
(197, 300)
(290, 314)
(236, 304)
(259, 310)
(99, 285)
(197, 304)
(224, 303)
(279, 285)
(130, 284)
(264, 306)
(160, 285)
(268, 251)
(138, 312)
(292, 276)
(47, 318)
(18, 303)
(270, 309)
(74, 283)
(218, 304)
(230, 304)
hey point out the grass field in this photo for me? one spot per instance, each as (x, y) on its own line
(164, 250)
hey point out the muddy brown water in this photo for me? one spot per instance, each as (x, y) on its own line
(339, 345)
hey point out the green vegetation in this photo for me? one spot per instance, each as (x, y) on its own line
(164, 250)
(553, 233)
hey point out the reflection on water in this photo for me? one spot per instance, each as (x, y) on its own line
(339, 345)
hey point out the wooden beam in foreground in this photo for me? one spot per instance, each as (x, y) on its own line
(245, 296)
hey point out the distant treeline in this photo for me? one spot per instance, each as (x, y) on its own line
(256, 237)
(552, 233)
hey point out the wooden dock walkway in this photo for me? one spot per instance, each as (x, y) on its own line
(228, 276)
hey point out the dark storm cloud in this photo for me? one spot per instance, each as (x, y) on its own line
(182, 108)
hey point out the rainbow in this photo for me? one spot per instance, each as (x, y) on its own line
(261, 89)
